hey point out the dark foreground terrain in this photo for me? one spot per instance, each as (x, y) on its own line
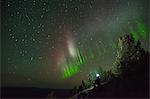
(29, 92)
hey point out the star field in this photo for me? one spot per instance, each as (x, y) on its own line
(38, 37)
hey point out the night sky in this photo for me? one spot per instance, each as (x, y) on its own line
(40, 36)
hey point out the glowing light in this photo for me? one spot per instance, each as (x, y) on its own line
(71, 48)
(97, 75)
(142, 29)
(70, 70)
(80, 58)
(73, 64)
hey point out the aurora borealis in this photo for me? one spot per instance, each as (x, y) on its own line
(58, 43)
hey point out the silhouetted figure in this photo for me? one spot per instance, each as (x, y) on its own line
(80, 88)
(97, 81)
(83, 85)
